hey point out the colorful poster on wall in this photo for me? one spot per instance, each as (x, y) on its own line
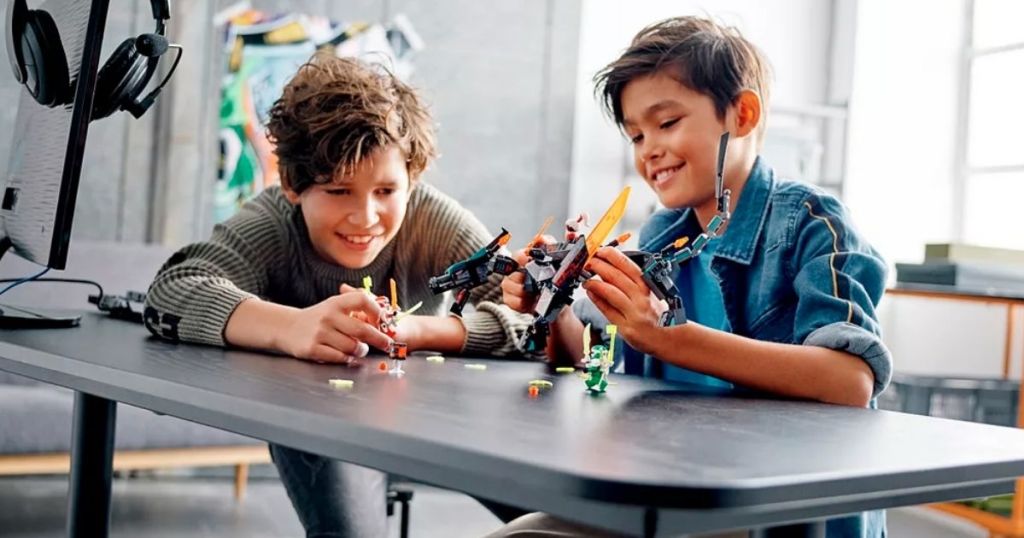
(262, 53)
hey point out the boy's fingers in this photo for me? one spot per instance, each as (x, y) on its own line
(612, 275)
(324, 353)
(345, 288)
(361, 301)
(615, 257)
(610, 312)
(341, 342)
(516, 279)
(363, 332)
(512, 288)
(548, 239)
(522, 257)
(610, 294)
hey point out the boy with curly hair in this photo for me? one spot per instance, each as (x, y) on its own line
(281, 275)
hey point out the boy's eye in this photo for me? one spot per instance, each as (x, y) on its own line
(338, 192)
(669, 123)
(636, 139)
(386, 192)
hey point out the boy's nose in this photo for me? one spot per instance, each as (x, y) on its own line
(650, 152)
(366, 215)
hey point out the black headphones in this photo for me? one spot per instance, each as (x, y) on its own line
(39, 62)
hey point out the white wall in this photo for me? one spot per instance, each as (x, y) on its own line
(794, 34)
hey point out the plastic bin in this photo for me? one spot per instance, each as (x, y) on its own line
(991, 401)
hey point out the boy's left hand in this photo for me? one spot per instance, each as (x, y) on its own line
(623, 297)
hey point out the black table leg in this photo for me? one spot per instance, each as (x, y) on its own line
(814, 529)
(92, 454)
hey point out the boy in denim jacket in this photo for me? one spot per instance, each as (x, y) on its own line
(783, 301)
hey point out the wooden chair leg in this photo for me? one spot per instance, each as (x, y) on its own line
(241, 479)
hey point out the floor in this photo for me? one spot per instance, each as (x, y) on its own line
(182, 506)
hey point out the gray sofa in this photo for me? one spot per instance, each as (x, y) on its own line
(35, 418)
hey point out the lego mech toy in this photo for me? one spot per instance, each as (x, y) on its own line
(388, 324)
(474, 271)
(554, 272)
(658, 267)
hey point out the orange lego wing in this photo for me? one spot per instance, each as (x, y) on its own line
(604, 226)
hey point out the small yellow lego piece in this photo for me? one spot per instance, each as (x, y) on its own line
(541, 383)
(435, 358)
(341, 383)
(612, 331)
(475, 366)
(565, 369)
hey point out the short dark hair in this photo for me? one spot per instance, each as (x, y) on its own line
(337, 111)
(707, 57)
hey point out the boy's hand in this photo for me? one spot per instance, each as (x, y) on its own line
(623, 297)
(409, 328)
(512, 292)
(335, 330)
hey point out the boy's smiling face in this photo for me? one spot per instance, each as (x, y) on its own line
(353, 218)
(674, 132)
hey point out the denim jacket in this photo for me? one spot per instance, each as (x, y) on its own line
(792, 269)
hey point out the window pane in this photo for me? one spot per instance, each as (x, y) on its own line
(992, 211)
(998, 22)
(994, 137)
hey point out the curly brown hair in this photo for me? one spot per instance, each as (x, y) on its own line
(337, 111)
(702, 55)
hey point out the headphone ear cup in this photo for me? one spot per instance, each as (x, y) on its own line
(46, 66)
(17, 12)
(122, 77)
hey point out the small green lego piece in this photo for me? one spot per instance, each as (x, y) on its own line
(341, 383)
(475, 366)
(565, 369)
(435, 358)
(596, 374)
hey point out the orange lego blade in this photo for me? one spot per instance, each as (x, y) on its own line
(604, 226)
(394, 294)
(537, 239)
(680, 242)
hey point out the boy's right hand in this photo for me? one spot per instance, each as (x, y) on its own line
(513, 292)
(338, 329)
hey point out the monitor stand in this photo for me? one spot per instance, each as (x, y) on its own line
(29, 317)
(18, 317)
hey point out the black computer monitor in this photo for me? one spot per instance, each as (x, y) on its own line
(37, 197)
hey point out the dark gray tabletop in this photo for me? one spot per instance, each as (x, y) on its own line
(644, 450)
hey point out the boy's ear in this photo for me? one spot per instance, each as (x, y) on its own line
(748, 112)
(291, 195)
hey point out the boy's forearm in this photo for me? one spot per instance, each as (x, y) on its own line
(791, 370)
(435, 333)
(257, 324)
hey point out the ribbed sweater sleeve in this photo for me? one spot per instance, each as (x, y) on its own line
(199, 287)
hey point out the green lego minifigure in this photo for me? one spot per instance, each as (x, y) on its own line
(598, 362)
